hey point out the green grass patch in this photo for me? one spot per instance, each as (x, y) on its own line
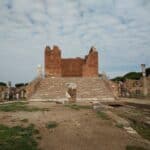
(19, 106)
(24, 120)
(78, 107)
(142, 128)
(51, 124)
(18, 138)
(134, 148)
(119, 125)
(102, 115)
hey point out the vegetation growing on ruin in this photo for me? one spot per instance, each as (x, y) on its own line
(19, 106)
(18, 138)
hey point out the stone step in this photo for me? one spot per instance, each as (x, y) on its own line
(54, 88)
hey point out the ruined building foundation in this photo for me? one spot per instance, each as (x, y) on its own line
(61, 72)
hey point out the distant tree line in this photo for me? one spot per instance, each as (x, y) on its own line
(20, 85)
(131, 75)
(3, 84)
(17, 85)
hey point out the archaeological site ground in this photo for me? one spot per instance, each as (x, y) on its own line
(74, 107)
(74, 74)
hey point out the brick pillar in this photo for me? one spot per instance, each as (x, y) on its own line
(90, 68)
(52, 61)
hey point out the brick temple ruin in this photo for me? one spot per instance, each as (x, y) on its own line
(57, 66)
(69, 79)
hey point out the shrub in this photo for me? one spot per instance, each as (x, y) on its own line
(148, 72)
(3, 84)
(19, 85)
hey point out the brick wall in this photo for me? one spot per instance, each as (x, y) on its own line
(71, 67)
(52, 61)
(90, 67)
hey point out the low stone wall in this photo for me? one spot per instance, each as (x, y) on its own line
(32, 87)
(133, 87)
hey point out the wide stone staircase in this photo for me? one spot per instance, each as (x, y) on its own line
(54, 88)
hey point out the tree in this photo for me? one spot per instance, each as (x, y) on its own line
(117, 79)
(133, 75)
(148, 72)
(19, 85)
(3, 84)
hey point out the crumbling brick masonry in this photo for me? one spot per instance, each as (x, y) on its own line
(71, 67)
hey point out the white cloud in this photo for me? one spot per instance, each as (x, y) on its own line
(119, 29)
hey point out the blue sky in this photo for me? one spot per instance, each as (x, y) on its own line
(119, 29)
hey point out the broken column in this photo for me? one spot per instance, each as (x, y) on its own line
(145, 89)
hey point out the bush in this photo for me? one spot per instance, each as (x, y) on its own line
(19, 85)
(3, 84)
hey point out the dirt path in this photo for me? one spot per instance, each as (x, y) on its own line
(76, 130)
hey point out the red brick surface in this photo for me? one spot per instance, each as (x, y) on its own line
(71, 67)
(52, 61)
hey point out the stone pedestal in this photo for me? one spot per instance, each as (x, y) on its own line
(72, 92)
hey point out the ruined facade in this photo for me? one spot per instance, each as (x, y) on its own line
(70, 67)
